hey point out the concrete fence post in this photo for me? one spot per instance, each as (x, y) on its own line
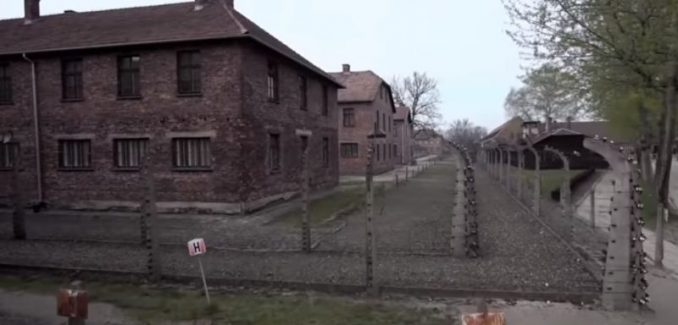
(519, 176)
(501, 166)
(592, 205)
(624, 284)
(150, 216)
(536, 195)
(508, 170)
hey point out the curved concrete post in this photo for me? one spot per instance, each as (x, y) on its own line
(519, 178)
(624, 285)
(537, 181)
(500, 164)
(565, 196)
(509, 159)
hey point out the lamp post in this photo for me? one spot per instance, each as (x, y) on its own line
(13, 157)
(370, 249)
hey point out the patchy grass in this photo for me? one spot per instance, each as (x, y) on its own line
(324, 208)
(159, 306)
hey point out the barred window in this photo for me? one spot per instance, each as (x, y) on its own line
(129, 76)
(75, 154)
(303, 93)
(326, 152)
(274, 153)
(8, 154)
(129, 153)
(5, 84)
(349, 117)
(192, 153)
(349, 150)
(189, 72)
(272, 82)
(71, 79)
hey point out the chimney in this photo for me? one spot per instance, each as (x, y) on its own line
(31, 11)
(548, 123)
(569, 122)
(230, 4)
(346, 68)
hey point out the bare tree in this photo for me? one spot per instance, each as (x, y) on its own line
(419, 93)
(464, 132)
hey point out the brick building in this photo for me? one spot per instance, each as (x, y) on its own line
(404, 129)
(214, 102)
(365, 103)
(428, 143)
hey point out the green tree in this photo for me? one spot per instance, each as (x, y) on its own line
(548, 92)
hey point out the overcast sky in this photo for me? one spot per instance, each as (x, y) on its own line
(460, 43)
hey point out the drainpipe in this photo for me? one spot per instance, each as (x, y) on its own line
(36, 129)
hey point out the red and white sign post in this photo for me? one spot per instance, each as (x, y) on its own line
(197, 247)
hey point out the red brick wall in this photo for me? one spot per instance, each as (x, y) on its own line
(364, 124)
(284, 118)
(232, 108)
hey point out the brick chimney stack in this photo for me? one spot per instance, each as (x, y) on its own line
(346, 68)
(230, 4)
(31, 11)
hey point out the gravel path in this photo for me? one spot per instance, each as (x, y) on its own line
(412, 241)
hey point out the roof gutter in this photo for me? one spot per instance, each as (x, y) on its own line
(36, 129)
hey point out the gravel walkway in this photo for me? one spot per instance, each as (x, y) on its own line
(412, 238)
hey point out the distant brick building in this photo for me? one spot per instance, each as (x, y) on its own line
(404, 131)
(429, 143)
(365, 103)
(215, 100)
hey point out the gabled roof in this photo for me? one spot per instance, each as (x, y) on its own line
(427, 134)
(588, 129)
(168, 23)
(403, 113)
(361, 87)
(498, 131)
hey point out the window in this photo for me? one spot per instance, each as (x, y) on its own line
(383, 121)
(191, 153)
(129, 153)
(326, 101)
(274, 153)
(303, 93)
(75, 154)
(71, 79)
(376, 127)
(390, 124)
(378, 152)
(128, 76)
(5, 84)
(8, 153)
(272, 82)
(349, 117)
(189, 81)
(395, 150)
(349, 150)
(326, 152)
(390, 153)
